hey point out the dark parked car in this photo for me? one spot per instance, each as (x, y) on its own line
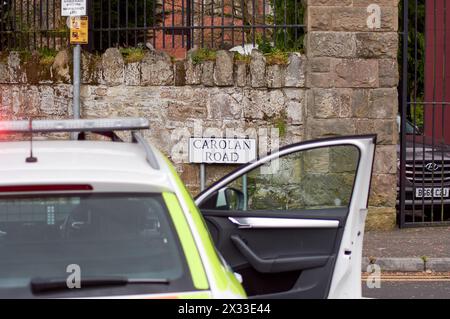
(427, 177)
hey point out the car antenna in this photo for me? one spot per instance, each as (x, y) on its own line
(31, 158)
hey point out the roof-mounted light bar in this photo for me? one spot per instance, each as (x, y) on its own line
(82, 125)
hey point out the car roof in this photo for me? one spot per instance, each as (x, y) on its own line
(109, 165)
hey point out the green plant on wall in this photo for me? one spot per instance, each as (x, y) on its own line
(203, 54)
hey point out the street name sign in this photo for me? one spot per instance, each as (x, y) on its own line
(221, 150)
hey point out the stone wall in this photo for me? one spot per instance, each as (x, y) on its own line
(225, 97)
(353, 78)
(345, 84)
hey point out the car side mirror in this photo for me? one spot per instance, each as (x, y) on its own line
(227, 198)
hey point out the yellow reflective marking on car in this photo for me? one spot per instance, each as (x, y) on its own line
(224, 278)
(187, 241)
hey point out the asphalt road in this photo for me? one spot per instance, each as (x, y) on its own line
(409, 290)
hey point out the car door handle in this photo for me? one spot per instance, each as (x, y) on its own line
(264, 222)
(275, 265)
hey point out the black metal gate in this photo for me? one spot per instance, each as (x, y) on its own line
(424, 175)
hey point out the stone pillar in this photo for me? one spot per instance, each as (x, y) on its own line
(352, 78)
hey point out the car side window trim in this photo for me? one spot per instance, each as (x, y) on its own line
(303, 146)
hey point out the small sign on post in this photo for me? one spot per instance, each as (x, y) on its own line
(73, 8)
(221, 150)
(79, 30)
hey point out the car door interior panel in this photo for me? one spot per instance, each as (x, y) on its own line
(290, 223)
(259, 254)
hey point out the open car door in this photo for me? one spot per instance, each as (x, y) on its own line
(292, 223)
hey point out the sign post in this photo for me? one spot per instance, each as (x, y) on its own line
(78, 35)
(78, 24)
(220, 151)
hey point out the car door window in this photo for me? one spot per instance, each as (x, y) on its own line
(312, 179)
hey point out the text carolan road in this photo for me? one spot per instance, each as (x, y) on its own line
(221, 150)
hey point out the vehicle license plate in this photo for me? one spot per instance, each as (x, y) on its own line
(432, 192)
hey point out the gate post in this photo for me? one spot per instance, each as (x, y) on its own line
(404, 102)
(352, 80)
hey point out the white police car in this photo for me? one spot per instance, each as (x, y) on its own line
(84, 218)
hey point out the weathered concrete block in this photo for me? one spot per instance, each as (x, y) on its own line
(294, 94)
(388, 72)
(224, 106)
(356, 73)
(295, 71)
(91, 68)
(55, 102)
(381, 218)
(438, 264)
(385, 129)
(396, 264)
(193, 70)
(180, 73)
(223, 71)
(383, 190)
(60, 69)
(208, 73)
(331, 103)
(385, 159)
(240, 71)
(295, 107)
(320, 65)
(321, 80)
(375, 103)
(344, 73)
(4, 72)
(185, 103)
(156, 69)
(258, 69)
(16, 72)
(344, 18)
(180, 111)
(329, 127)
(320, 19)
(377, 44)
(383, 103)
(294, 112)
(360, 103)
(133, 73)
(332, 44)
(259, 104)
(275, 75)
(113, 67)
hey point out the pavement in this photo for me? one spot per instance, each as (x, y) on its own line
(434, 289)
(406, 250)
(407, 285)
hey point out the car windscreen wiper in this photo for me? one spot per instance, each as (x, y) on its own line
(43, 285)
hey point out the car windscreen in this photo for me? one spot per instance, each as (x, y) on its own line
(92, 237)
